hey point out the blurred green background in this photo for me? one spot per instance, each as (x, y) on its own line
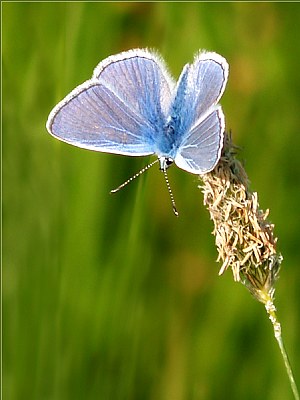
(111, 296)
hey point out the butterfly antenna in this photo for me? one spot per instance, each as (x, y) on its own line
(170, 192)
(134, 176)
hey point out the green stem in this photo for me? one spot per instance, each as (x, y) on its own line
(271, 310)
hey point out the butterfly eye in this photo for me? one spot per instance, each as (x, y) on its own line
(164, 163)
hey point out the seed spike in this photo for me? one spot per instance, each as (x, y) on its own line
(134, 176)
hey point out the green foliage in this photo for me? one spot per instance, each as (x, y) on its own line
(110, 296)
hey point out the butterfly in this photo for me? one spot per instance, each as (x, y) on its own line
(132, 106)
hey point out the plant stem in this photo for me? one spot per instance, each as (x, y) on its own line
(271, 310)
(244, 237)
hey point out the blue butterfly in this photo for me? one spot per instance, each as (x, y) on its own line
(132, 106)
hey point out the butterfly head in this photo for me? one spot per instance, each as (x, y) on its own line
(165, 162)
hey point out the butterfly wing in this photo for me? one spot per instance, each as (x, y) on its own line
(199, 89)
(120, 110)
(201, 148)
(146, 84)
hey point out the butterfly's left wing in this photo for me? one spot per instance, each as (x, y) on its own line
(121, 110)
(199, 89)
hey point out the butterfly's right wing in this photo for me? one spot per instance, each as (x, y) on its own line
(201, 148)
(201, 132)
(120, 110)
